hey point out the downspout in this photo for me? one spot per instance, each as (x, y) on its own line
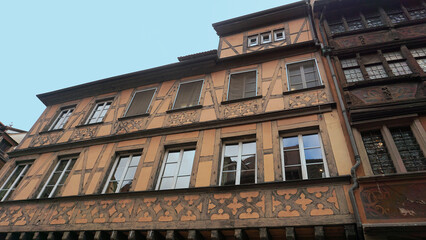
(326, 51)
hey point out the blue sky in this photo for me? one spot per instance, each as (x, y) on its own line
(49, 45)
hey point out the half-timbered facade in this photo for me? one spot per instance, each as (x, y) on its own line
(378, 52)
(241, 142)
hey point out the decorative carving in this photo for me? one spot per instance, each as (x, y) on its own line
(45, 139)
(181, 118)
(241, 109)
(378, 94)
(307, 99)
(83, 133)
(131, 125)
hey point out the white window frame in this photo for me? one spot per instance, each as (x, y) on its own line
(276, 39)
(134, 94)
(68, 111)
(238, 170)
(262, 35)
(103, 103)
(249, 38)
(17, 180)
(126, 168)
(199, 97)
(175, 175)
(302, 154)
(303, 78)
(244, 71)
(55, 186)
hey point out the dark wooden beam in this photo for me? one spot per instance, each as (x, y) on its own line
(319, 233)
(135, 235)
(173, 235)
(217, 235)
(350, 232)
(289, 233)
(240, 234)
(195, 235)
(154, 235)
(264, 234)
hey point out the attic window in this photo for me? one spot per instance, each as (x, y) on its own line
(253, 41)
(266, 38)
(279, 35)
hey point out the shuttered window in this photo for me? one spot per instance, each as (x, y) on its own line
(242, 85)
(303, 75)
(140, 102)
(188, 94)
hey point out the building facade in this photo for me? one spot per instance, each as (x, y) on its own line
(249, 141)
(9, 138)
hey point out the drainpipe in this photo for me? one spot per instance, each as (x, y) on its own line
(326, 51)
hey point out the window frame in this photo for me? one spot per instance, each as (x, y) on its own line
(282, 30)
(92, 112)
(179, 163)
(238, 72)
(55, 186)
(302, 157)
(126, 169)
(131, 101)
(17, 181)
(238, 169)
(58, 117)
(269, 34)
(249, 44)
(186, 82)
(321, 83)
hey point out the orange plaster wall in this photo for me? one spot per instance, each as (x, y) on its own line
(240, 128)
(207, 147)
(143, 179)
(179, 136)
(204, 174)
(290, 121)
(268, 166)
(152, 149)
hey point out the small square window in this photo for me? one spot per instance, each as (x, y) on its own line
(99, 112)
(62, 118)
(242, 85)
(188, 94)
(253, 41)
(140, 102)
(265, 37)
(279, 35)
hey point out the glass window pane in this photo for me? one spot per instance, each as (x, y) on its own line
(170, 169)
(112, 187)
(291, 143)
(166, 183)
(408, 148)
(230, 163)
(315, 171)
(182, 182)
(135, 160)
(313, 155)
(376, 71)
(126, 185)
(249, 148)
(130, 173)
(231, 150)
(186, 165)
(188, 94)
(400, 68)
(380, 160)
(293, 173)
(248, 162)
(61, 166)
(228, 178)
(15, 175)
(55, 178)
(242, 85)
(140, 102)
(248, 177)
(292, 157)
(173, 157)
(47, 191)
(311, 141)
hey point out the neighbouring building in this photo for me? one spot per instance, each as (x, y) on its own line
(9, 138)
(378, 52)
(249, 141)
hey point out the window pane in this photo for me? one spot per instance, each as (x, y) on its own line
(355, 25)
(15, 175)
(112, 187)
(248, 162)
(293, 173)
(422, 63)
(311, 141)
(135, 160)
(242, 85)
(55, 178)
(140, 102)
(188, 95)
(173, 157)
(353, 75)
(315, 171)
(409, 149)
(119, 171)
(130, 173)
(376, 71)
(392, 56)
(292, 157)
(291, 143)
(380, 160)
(228, 178)
(337, 28)
(170, 169)
(186, 165)
(230, 163)
(418, 52)
(374, 22)
(231, 150)
(182, 182)
(249, 148)
(248, 177)
(313, 155)
(400, 68)
(166, 183)
(46, 192)
(350, 62)
(126, 185)
(309, 76)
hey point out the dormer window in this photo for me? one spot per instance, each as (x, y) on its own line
(279, 35)
(253, 41)
(266, 38)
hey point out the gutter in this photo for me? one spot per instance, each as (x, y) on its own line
(326, 52)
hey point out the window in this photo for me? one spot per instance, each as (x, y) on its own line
(239, 164)
(279, 35)
(395, 14)
(122, 173)
(176, 170)
(407, 155)
(397, 63)
(420, 55)
(303, 75)
(354, 22)
(188, 94)
(57, 178)
(99, 112)
(62, 118)
(265, 38)
(336, 25)
(416, 11)
(242, 85)
(351, 70)
(373, 19)
(376, 71)
(303, 157)
(253, 41)
(13, 181)
(140, 102)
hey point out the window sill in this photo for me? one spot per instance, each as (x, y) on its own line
(51, 131)
(380, 81)
(134, 116)
(184, 109)
(87, 125)
(304, 89)
(240, 100)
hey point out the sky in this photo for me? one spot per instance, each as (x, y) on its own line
(50, 45)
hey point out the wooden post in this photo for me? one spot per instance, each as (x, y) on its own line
(118, 235)
(264, 234)
(69, 236)
(173, 235)
(239, 234)
(194, 235)
(12, 236)
(153, 235)
(50, 236)
(319, 233)
(350, 232)
(100, 235)
(289, 233)
(217, 235)
(26, 236)
(135, 235)
(39, 236)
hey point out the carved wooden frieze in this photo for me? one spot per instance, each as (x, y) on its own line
(130, 125)
(364, 39)
(191, 209)
(184, 117)
(84, 132)
(241, 109)
(45, 139)
(394, 201)
(307, 99)
(383, 93)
